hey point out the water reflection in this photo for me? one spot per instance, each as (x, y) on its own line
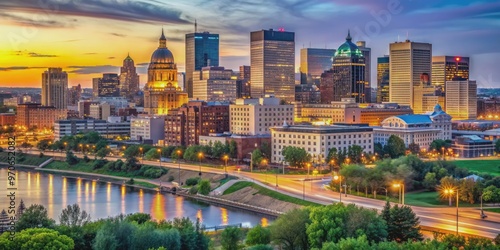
(102, 200)
(264, 222)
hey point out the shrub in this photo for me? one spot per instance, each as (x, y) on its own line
(98, 164)
(192, 181)
(204, 187)
(193, 190)
(130, 182)
(41, 155)
(171, 178)
(86, 158)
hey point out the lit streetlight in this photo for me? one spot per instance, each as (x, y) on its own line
(142, 155)
(401, 188)
(179, 153)
(159, 152)
(225, 157)
(264, 163)
(449, 192)
(339, 178)
(200, 156)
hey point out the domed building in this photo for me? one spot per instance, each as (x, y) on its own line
(162, 92)
(346, 79)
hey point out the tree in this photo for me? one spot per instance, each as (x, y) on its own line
(295, 156)
(261, 247)
(37, 238)
(327, 224)
(139, 218)
(72, 216)
(233, 149)
(218, 149)
(379, 149)
(152, 154)
(402, 223)
(414, 148)
(354, 153)
(395, 146)
(430, 181)
(71, 159)
(354, 175)
(34, 216)
(333, 157)
(257, 157)
(469, 191)
(491, 194)
(266, 149)
(289, 230)
(497, 146)
(204, 187)
(43, 145)
(258, 236)
(230, 238)
(359, 243)
(439, 144)
(101, 153)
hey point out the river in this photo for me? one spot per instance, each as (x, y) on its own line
(103, 199)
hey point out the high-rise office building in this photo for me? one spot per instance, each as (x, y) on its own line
(445, 68)
(74, 95)
(272, 60)
(214, 84)
(162, 92)
(313, 62)
(129, 79)
(383, 79)
(367, 54)
(409, 60)
(202, 50)
(347, 76)
(461, 99)
(54, 88)
(244, 72)
(107, 86)
(243, 82)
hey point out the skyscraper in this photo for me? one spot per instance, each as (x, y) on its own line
(129, 79)
(54, 88)
(461, 99)
(243, 82)
(347, 74)
(202, 50)
(313, 62)
(367, 54)
(214, 84)
(445, 68)
(108, 85)
(383, 79)
(272, 60)
(409, 60)
(162, 92)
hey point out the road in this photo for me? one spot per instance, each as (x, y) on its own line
(312, 190)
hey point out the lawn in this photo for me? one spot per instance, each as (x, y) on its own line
(268, 192)
(423, 199)
(483, 166)
(25, 159)
(494, 210)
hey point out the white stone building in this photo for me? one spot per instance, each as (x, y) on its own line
(256, 116)
(318, 140)
(147, 128)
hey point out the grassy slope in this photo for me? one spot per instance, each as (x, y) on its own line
(485, 166)
(87, 167)
(267, 192)
(28, 159)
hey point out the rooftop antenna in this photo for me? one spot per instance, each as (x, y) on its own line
(195, 26)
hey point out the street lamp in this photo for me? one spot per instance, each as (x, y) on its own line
(449, 192)
(142, 155)
(442, 150)
(179, 153)
(264, 163)
(339, 178)
(159, 152)
(200, 155)
(401, 188)
(225, 157)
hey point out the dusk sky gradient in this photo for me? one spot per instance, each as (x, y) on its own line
(90, 37)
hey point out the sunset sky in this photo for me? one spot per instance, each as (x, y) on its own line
(90, 37)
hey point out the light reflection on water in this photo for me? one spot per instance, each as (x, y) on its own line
(103, 200)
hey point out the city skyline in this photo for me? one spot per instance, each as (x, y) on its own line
(59, 35)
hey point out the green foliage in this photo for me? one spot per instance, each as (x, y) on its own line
(193, 190)
(491, 194)
(439, 144)
(219, 149)
(171, 178)
(130, 182)
(402, 223)
(257, 158)
(192, 181)
(230, 238)
(72, 216)
(295, 156)
(395, 146)
(152, 154)
(37, 238)
(289, 230)
(139, 218)
(430, 181)
(497, 146)
(265, 148)
(43, 144)
(101, 153)
(233, 149)
(71, 159)
(469, 190)
(97, 164)
(33, 217)
(261, 247)
(204, 187)
(414, 148)
(258, 236)
(354, 153)
(191, 153)
(359, 243)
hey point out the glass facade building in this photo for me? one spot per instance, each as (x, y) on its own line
(272, 63)
(109, 85)
(383, 79)
(313, 62)
(202, 50)
(445, 68)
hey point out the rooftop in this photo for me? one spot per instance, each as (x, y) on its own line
(321, 129)
(415, 119)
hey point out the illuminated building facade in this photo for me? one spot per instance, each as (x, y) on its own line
(129, 79)
(202, 50)
(107, 86)
(214, 84)
(162, 92)
(54, 88)
(408, 61)
(383, 79)
(313, 62)
(35, 115)
(367, 54)
(445, 68)
(272, 60)
(461, 99)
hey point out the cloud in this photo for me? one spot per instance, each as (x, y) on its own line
(98, 69)
(123, 10)
(31, 54)
(111, 57)
(33, 21)
(20, 68)
(118, 35)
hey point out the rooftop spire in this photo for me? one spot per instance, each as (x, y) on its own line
(163, 40)
(348, 38)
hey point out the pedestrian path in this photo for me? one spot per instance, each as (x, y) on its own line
(220, 190)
